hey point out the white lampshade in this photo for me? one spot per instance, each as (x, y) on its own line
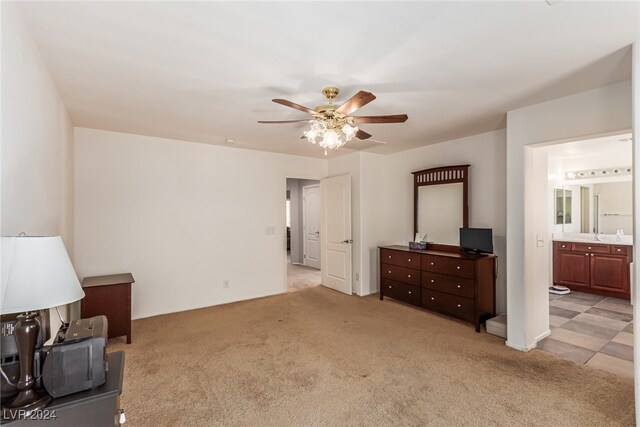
(349, 131)
(331, 140)
(37, 274)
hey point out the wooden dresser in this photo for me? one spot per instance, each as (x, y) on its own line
(110, 296)
(452, 283)
(593, 267)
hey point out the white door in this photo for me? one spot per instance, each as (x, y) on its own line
(311, 225)
(335, 233)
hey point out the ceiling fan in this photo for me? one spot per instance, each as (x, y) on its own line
(332, 126)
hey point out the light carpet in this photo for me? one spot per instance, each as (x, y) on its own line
(318, 357)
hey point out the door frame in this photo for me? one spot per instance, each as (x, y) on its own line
(304, 225)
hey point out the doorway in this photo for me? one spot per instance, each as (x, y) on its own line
(590, 219)
(303, 234)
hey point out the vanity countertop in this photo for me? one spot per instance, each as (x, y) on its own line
(606, 239)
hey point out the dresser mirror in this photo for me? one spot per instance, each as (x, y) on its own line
(441, 205)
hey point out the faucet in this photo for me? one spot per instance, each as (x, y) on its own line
(597, 237)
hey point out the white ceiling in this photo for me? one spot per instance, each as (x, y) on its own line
(207, 71)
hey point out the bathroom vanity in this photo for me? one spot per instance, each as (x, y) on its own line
(591, 266)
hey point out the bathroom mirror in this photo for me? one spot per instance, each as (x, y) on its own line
(441, 203)
(594, 206)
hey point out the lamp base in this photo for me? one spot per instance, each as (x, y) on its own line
(28, 399)
(26, 402)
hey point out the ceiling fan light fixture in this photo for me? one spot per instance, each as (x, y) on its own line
(332, 126)
(315, 131)
(349, 131)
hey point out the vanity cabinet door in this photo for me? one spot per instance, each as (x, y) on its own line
(610, 273)
(571, 269)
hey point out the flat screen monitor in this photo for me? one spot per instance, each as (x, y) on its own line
(479, 240)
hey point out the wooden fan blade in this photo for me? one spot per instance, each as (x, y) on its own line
(396, 118)
(294, 105)
(362, 134)
(357, 101)
(283, 121)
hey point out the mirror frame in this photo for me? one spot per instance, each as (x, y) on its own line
(437, 176)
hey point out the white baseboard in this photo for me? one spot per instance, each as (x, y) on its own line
(520, 348)
(531, 346)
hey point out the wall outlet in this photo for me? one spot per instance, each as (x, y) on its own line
(225, 284)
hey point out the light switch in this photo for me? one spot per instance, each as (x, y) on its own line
(539, 241)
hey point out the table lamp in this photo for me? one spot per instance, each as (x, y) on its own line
(36, 274)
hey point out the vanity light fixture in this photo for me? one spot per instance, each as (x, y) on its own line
(594, 173)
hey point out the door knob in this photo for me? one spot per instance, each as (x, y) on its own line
(347, 241)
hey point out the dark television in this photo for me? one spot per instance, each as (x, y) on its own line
(476, 240)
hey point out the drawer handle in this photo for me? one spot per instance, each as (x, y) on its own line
(586, 254)
(589, 247)
(431, 263)
(591, 254)
(389, 256)
(410, 258)
(389, 286)
(389, 271)
(458, 305)
(408, 276)
(433, 298)
(458, 286)
(618, 250)
(562, 246)
(458, 267)
(432, 281)
(409, 292)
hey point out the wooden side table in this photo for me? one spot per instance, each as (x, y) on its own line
(111, 296)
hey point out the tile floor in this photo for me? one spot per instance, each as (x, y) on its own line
(593, 330)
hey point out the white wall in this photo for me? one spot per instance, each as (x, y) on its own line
(487, 191)
(635, 295)
(373, 223)
(37, 142)
(182, 217)
(597, 112)
(296, 220)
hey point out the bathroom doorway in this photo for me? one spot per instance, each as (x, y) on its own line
(590, 218)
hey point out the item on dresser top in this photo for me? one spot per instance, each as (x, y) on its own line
(476, 240)
(418, 245)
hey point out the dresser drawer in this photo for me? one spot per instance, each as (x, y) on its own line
(451, 305)
(400, 274)
(448, 266)
(591, 248)
(401, 258)
(448, 284)
(401, 291)
(619, 250)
